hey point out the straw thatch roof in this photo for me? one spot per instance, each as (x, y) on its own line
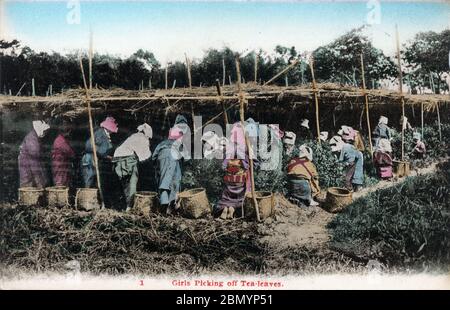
(132, 100)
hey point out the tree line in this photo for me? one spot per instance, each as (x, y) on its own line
(424, 61)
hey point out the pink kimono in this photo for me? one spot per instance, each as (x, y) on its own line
(62, 159)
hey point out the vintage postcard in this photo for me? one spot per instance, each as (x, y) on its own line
(224, 145)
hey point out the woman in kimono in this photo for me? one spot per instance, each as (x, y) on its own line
(104, 147)
(303, 179)
(358, 141)
(381, 131)
(136, 148)
(31, 168)
(169, 154)
(62, 158)
(419, 150)
(382, 159)
(236, 175)
(353, 161)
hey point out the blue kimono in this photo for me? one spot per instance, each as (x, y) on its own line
(354, 161)
(169, 170)
(381, 131)
(104, 148)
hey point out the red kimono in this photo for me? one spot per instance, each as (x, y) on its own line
(62, 160)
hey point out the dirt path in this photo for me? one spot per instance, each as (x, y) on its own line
(306, 227)
(385, 184)
(296, 227)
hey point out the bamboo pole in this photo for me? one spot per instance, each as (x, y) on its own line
(91, 52)
(217, 116)
(20, 89)
(367, 104)
(165, 77)
(91, 130)
(33, 91)
(421, 117)
(400, 88)
(316, 99)
(219, 93)
(439, 121)
(256, 68)
(295, 62)
(247, 143)
(188, 68)
(223, 72)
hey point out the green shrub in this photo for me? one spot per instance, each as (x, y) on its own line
(330, 169)
(409, 222)
(435, 148)
(204, 173)
(271, 180)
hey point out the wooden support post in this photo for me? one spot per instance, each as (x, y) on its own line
(247, 143)
(219, 93)
(256, 68)
(295, 62)
(20, 89)
(366, 99)
(421, 117)
(149, 83)
(51, 90)
(400, 89)
(316, 99)
(229, 79)
(33, 90)
(91, 55)
(223, 72)
(303, 77)
(165, 77)
(174, 84)
(92, 136)
(286, 82)
(188, 68)
(439, 121)
(432, 83)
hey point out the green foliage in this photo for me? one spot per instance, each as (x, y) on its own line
(340, 61)
(435, 148)
(330, 170)
(204, 173)
(271, 180)
(409, 222)
(427, 54)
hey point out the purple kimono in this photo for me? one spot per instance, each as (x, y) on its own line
(235, 185)
(31, 170)
(62, 160)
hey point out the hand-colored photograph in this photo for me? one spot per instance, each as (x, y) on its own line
(194, 145)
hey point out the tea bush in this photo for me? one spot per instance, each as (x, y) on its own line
(206, 173)
(408, 223)
(435, 148)
(330, 169)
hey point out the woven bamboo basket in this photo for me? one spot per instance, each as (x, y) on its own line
(31, 196)
(401, 168)
(337, 199)
(87, 199)
(145, 202)
(266, 205)
(194, 203)
(57, 196)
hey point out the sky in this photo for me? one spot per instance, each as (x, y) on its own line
(169, 29)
